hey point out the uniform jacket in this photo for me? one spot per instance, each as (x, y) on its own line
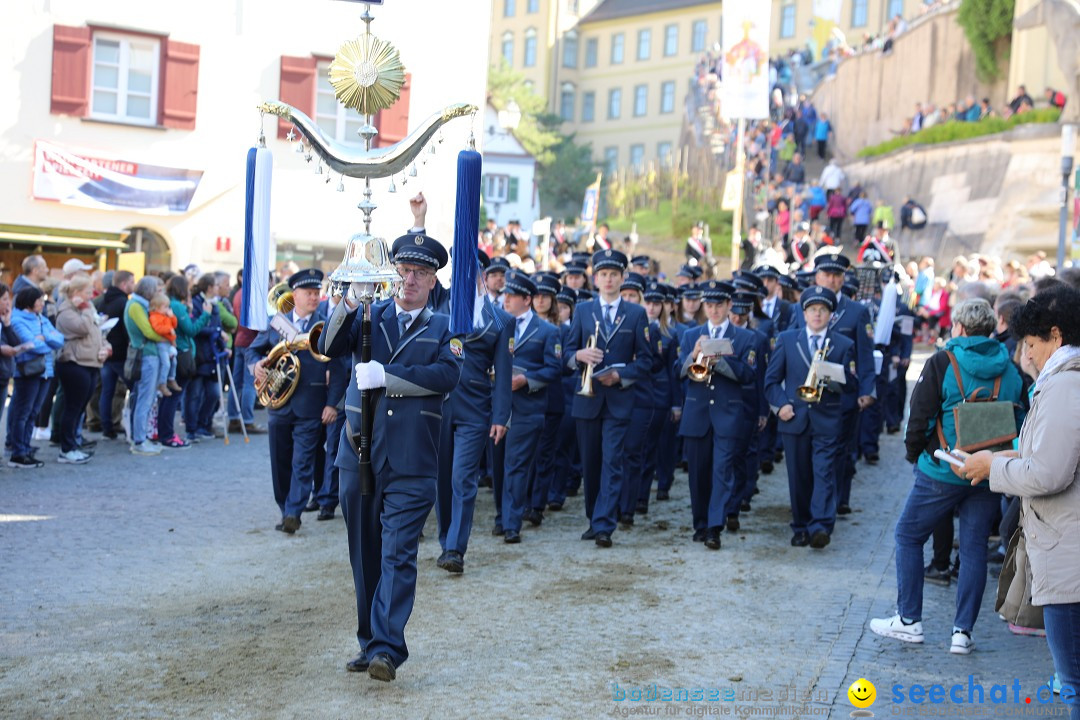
(313, 393)
(421, 366)
(716, 405)
(539, 354)
(627, 343)
(475, 399)
(852, 320)
(666, 386)
(788, 368)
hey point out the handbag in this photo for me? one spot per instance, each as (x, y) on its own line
(133, 365)
(1014, 586)
(33, 367)
(185, 364)
(981, 423)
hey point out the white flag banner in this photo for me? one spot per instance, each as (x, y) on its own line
(744, 87)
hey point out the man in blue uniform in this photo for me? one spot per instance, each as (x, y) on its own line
(295, 429)
(537, 363)
(475, 411)
(714, 425)
(621, 357)
(414, 364)
(775, 306)
(812, 431)
(852, 320)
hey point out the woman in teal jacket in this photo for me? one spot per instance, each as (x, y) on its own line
(186, 330)
(33, 369)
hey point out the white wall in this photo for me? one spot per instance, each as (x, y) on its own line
(240, 42)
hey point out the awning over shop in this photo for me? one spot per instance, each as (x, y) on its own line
(31, 235)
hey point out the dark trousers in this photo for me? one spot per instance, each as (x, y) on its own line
(112, 374)
(201, 399)
(26, 403)
(811, 463)
(746, 473)
(384, 537)
(167, 406)
(78, 382)
(326, 493)
(651, 454)
(845, 461)
(293, 441)
(522, 439)
(711, 466)
(943, 542)
(836, 226)
(44, 413)
(547, 462)
(567, 466)
(497, 453)
(602, 442)
(821, 145)
(634, 462)
(860, 232)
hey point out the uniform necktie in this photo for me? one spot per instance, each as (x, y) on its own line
(609, 316)
(303, 325)
(716, 332)
(520, 329)
(815, 344)
(403, 319)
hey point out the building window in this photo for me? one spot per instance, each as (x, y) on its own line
(663, 151)
(644, 44)
(125, 79)
(671, 40)
(896, 7)
(530, 47)
(697, 36)
(566, 102)
(588, 107)
(533, 7)
(637, 157)
(508, 48)
(618, 42)
(611, 159)
(667, 97)
(641, 100)
(592, 46)
(858, 13)
(787, 21)
(336, 120)
(496, 188)
(570, 49)
(614, 104)
(508, 8)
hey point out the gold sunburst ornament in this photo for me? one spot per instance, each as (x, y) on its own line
(367, 74)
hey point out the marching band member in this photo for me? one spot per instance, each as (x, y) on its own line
(296, 427)
(415, 362)
(621, 357)
(755, 407)
(537, 363)
(774, 305)
(567, 477)
(670, 446)
(543, 471)
(631, 291)
(812, 431)
(666, 398)
(475, 411)
(713, 423)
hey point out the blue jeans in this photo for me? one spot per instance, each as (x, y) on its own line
(144, 394)
(26, 403)
(928, 502)
(166, 420)
(244, 382)
(200, 399)
(1063, 636)
(111, 371)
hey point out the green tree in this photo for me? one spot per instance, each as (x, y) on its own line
(988, 26)
(538, 139)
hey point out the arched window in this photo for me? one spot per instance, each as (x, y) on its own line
(508, 48)
(530, 47)
(566, 102)
(570, 49)
(158, 255)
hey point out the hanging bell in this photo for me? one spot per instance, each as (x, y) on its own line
(299, 147)
(318, 169)
(391, 189)
(412, 170)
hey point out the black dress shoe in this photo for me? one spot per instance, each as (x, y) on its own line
(382, 668)
(554, 506)
(452, 562)
(800, 539)
(288, 524)
(872, 458)
(778, 456)
(893, 429)
(535, 517)
(699, 535)
(642, 508)
(603, 540)
(497, 530)
(326, 514)
(662, 495)
(626, 520)
(767, 467)
(757, 491)
(819, 539)
(733, 523)
(312, 506)
(572, 492)
(744, 506)
(589, 534)
(843, 509)
(358, 663)
(712, 539)
(484, 481)
(512, 537)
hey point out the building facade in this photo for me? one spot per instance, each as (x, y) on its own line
(509, 185)
(794, 24)
(128, 128)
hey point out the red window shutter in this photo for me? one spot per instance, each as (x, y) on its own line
(180, 84)
(393, 122)
(297, 88)
(70, 71)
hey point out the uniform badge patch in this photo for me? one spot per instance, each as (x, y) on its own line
(869, 331)
(659, 346)
(851, 366)
(772, 343)
(558, 350)
(456, 347)
(646, 333)
(750, 357)
(511, 345)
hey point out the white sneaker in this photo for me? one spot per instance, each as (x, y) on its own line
(962, 644)
(74, 457)
(145, 448)
(41, 433)
(895, 628)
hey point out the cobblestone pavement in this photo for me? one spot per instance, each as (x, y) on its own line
(157, 587)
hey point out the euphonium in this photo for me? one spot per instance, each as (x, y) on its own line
(280, 299)
(586, 376)
(283, 367)
(811, 389)
(701, 369)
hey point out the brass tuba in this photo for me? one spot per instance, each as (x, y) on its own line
(280, 299)
(811, 389)
(283, 367)
(586, 376)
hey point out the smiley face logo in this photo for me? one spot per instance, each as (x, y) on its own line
(862, 693)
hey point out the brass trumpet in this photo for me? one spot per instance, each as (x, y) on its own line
(283, 367)
(586, 376)
(701, 369)
(811, 389)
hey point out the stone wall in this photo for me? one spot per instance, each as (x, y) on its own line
(995, 194)
(871, 94)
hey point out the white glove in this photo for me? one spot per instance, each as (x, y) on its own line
(370, 375)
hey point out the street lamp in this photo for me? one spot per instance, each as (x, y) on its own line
(510, 116)
(1068, 149)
